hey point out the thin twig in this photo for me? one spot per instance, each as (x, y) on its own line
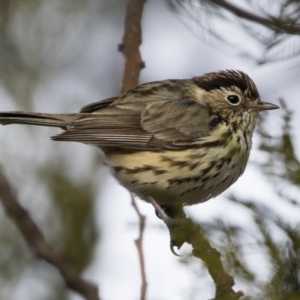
(272, 22)
(139, 246)
(36, 241)
(132, 39)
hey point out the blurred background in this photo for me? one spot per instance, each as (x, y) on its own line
(59, 55)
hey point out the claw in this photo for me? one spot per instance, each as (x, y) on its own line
(172, 224)
(172, 249)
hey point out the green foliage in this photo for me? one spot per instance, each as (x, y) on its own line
(74, 211)
(281, 149)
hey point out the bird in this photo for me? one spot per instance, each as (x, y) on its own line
(180, 141)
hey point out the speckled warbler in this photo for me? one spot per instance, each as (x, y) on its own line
(180, 142)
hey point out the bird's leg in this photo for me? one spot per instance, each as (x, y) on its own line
(177, 226)
(161, 213)
(174, 212)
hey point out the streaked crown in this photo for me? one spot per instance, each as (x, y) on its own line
(228, 79)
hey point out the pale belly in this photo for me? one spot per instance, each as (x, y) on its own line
(183, 177)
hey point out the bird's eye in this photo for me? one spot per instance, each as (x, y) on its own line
(233, 99)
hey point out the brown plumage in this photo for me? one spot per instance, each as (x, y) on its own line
(178, 141)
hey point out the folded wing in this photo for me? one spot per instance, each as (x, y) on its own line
(150, 124)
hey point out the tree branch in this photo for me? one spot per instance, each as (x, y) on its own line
(132, 39)
(212, 258)
(186, 231)
(139, 246)
(272, 22)
(36, 241)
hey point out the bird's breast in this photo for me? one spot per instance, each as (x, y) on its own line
(187, 176)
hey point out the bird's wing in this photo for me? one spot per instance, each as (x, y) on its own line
(140, 125)
(176, 123)
(93, 107)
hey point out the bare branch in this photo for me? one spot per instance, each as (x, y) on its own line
(139, 246)
(36, 241)
(132, 39)
(274, 23)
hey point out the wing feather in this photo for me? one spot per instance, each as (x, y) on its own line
(141, 123)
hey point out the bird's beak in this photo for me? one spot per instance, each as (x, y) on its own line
(264, 106)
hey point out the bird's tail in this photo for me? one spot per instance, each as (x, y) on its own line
(54, 120)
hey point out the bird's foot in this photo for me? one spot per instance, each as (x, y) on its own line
(178, 224)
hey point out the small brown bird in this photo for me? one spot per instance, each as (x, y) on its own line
(180, 142)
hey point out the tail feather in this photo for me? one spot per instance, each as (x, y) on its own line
(54, 120)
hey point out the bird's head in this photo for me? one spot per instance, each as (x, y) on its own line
(231, 94)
